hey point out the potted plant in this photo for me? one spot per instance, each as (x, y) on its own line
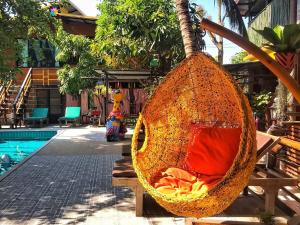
(285, 41)
(267, 218)
(259, 103)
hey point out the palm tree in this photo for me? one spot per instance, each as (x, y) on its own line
(235, 18)
(219, 44)
(231, 10)
(189, 42)
(235, 21)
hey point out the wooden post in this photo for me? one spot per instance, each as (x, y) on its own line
(270, 195)
(293, 11)
(106, 97)
(139, 200)
(297, 78)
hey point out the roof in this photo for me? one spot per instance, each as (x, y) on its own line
(254, 69)
(251, 7)
(77, 18)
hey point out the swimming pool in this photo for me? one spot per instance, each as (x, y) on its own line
(15, 146)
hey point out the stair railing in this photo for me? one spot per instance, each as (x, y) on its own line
(21, 94)
(4, 91)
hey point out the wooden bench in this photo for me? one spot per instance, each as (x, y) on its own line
(124, 175)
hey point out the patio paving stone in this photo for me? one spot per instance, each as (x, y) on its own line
(69, 182)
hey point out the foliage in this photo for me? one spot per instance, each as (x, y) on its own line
(78, 72)
(150, 85)
(282, 38)
(267, 218)
(101, 90)
(260, 101)
(197, 13)
(235, 18)
(239, 57)
(20, 19)
(236, 22)
(129, 32)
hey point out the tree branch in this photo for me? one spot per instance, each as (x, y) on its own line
(213, 38)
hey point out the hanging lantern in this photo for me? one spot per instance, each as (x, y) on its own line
(154, 63)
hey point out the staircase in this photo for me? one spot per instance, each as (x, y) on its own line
(13, 100)
(5, 101)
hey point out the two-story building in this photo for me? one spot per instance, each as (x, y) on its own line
(39, 82)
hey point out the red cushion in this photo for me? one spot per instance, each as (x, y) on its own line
(211, 150)
(95, 113)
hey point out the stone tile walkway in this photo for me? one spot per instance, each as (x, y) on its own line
(69, 182)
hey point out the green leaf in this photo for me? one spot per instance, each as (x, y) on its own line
(281, 47)
(292, 35)
(269, 34)
(279, 32)
(289, 31)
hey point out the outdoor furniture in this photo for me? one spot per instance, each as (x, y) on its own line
(124, 175)
(38, 115)
(92, 117)
(197, 96)
(95, 117)
(72, 114)
(265, 143)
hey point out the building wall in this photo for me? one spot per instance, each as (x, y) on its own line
(40, 76)
(44, 76)
(85, 29)
(277, 12)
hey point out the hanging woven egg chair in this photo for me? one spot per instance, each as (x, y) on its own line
(193, 122)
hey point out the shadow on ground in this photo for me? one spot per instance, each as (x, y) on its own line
(67, 182)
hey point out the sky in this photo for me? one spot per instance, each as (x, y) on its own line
(88, 8)
(229, 48)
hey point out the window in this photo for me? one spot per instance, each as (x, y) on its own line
(37, 53)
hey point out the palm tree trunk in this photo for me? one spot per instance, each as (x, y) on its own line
(182, 8)
(220, 42)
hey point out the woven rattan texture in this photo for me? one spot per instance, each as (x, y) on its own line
(196, 91)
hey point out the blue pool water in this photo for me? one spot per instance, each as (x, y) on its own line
(17, 145)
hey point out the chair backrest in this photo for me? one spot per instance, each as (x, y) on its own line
(265, 143)
(40, 112)
(72, 112)
(95, 113)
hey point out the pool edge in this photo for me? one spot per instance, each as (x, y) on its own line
(6, 174)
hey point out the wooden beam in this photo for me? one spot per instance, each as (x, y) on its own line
(272, 183)
(245, 220)
(263, 57)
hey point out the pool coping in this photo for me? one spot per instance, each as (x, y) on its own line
(7, 173)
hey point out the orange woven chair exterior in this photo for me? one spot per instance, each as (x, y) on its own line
(198, 90)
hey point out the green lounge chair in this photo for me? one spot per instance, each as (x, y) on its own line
(38, 115)
(71, 114)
